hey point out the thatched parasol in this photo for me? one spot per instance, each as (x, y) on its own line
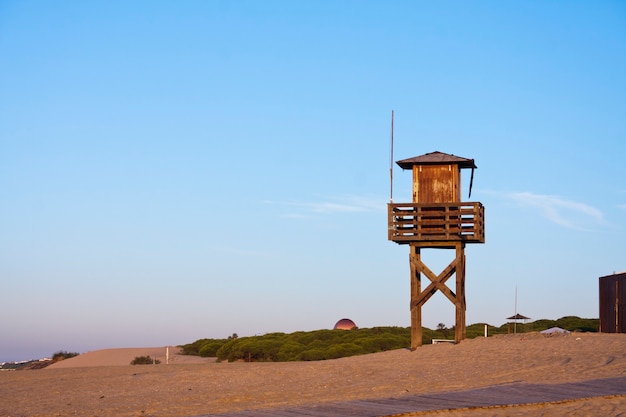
(518, 317)
(515, 318)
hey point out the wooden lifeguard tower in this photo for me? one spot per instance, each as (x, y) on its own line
(436, 219)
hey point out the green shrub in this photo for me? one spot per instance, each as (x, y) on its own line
(290, 351)
(577, 324)
(144, 360)
(194, 348)
(210, 348)
(343, 350)
(312, 355)
(61, 355)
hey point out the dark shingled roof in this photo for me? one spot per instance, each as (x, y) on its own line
(436, 158)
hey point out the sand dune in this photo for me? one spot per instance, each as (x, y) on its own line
(102, 384)
(123, 356)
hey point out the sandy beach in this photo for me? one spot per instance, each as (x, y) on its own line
(102, 383)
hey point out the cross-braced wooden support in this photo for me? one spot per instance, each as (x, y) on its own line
(437, 282)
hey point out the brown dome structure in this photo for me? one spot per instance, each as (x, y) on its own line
(345, 324)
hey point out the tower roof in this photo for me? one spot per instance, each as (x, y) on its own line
(436, 158)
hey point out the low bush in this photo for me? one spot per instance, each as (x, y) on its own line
(62, 354)
(144, 360)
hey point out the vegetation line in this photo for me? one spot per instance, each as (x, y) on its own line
(333, 344)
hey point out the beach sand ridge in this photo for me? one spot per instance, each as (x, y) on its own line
(103, 383)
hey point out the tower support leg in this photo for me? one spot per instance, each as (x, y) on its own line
(416, 308)
(460, 329)
(419, 297)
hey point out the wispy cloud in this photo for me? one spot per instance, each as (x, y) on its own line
(225, 250)
(344, 204)
(566, 213)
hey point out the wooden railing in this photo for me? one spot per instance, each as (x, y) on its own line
(436, 222)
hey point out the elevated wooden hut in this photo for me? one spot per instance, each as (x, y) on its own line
(436, 218)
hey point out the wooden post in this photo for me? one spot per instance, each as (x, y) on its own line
(460, 329)
(416, 308)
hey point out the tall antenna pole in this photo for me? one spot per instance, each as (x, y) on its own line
(391, 163)
(515, 321)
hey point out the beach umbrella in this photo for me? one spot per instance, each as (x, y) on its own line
(518, 317)
(515, 318)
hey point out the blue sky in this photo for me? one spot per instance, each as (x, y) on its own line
(178, 170)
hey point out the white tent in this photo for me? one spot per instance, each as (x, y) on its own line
(555, 331)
